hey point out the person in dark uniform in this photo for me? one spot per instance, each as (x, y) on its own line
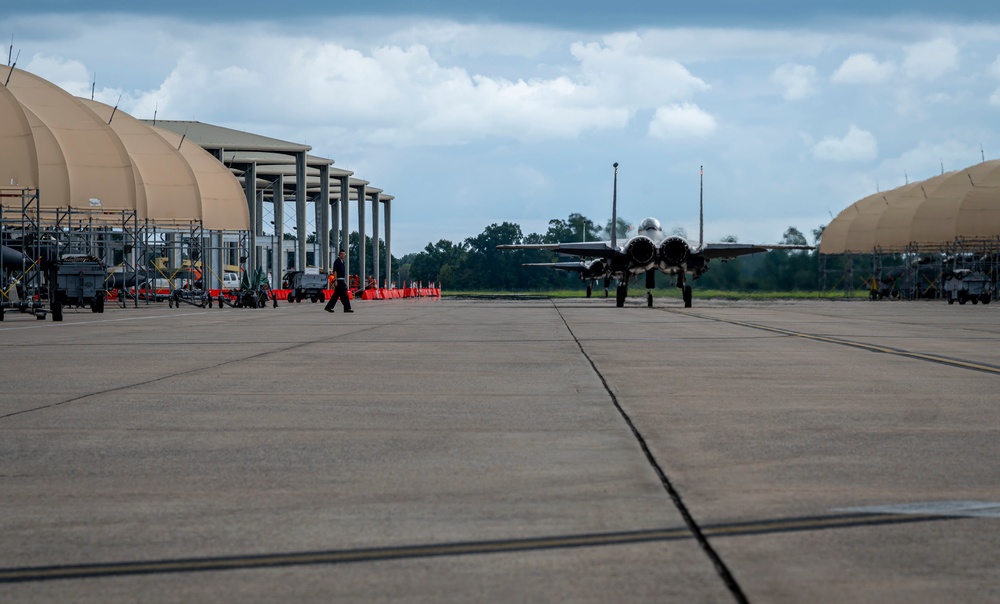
(340, 285)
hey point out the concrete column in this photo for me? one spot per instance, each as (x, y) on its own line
(375, 267)
(172, 242)
(362, 233)
(300, 209)
(278, 199)
(387, 207)
(258, 249)
(213, 279)
(250, 190)
(334, 228)
(323, 222)
(345, 219)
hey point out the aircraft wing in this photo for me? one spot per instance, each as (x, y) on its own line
(732, 250)
(588, 249)
(573, 267)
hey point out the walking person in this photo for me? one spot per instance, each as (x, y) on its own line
(340, 285)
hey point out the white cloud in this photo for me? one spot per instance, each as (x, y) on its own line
(994, 69)
(856, 145)
(930, 60)
(620, 72)
(797, 80)
(863, 68)
(926, 160)
(71, 75)
(681, 121)
(395, 94)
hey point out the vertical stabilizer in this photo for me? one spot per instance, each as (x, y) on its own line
(614, 210)
(701, 207)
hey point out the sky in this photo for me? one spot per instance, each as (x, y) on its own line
(472, 114)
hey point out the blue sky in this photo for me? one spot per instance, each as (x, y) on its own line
(473, 114)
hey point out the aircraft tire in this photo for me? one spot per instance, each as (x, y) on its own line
(57, 314)
(687, 296)
(589, 289)
(649, 299)
(620, 296)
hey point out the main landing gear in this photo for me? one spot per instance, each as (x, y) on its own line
(685, 290)
(621, 294)
(650, 285)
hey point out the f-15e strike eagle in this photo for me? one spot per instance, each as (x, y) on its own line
(650, 250)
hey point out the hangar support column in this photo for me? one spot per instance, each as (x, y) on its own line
(250, 189)
(345, 218)
(387, 207)
(277, 249)
(300, 209)
(334, 235)
(375, 258)
(323, 219)
(361, 233)
(258, 227)
(217, 261)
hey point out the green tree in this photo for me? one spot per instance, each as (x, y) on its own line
(623, 228)
(429, 264)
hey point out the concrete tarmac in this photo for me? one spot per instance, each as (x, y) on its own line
(498, 450)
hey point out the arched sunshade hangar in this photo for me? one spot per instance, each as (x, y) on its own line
(18, 158)
(223, 203)
(852, 231)
(966, 204)
(166, 188)
(932, 212)
(82, 164)
(895, 225)
(863, 234)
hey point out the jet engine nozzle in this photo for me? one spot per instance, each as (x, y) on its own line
(595, 269)
(674, 251)
(641, 252)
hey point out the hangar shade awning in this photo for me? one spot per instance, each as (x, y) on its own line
(81, 162)
(936, 211)
(223, 203)
(18, 159)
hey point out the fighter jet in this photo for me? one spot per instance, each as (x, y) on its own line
(648, 251)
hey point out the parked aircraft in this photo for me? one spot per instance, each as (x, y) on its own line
(590, 271)
(648, 251)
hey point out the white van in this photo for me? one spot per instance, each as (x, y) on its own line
(230, 280)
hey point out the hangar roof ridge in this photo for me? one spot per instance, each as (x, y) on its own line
(211, 136)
